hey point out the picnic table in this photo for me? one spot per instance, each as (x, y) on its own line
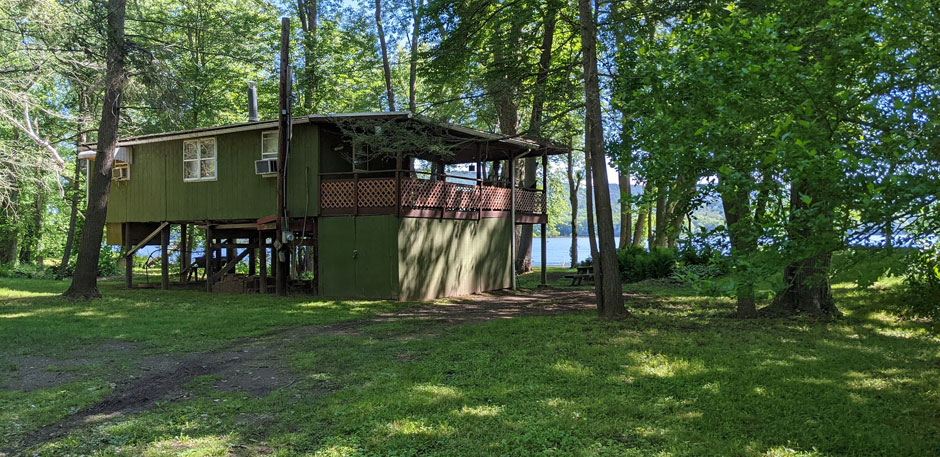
(585, 273)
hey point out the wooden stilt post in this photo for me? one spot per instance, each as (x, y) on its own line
(165, 258)
(263, 262)
(316, 256)
(398, 184)
(129, 260)
(229, 251)
(284, 127)
(251, 258)
(209, 257)
(184, 253)
(512, 217)
(544, 216)
(479, 185)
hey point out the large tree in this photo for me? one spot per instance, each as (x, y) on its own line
(795, 113)
(606, 271)
(85, 280)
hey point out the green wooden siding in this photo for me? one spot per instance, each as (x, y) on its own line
(156, 191)
(303, 184)
(449, 257)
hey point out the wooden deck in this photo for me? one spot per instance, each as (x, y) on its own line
(415, 197)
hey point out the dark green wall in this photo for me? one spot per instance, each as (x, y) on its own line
(413, 258)
(447, 257)
(157, 192)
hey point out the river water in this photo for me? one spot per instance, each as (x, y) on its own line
(558, 252)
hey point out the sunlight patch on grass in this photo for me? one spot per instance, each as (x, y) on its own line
(6, 292)
(436, 393)
(481, 410)
(336, 449)
(16, 315)
(783, 451)
(572, 368)
(418, 427)
(185, 446)
(663, 366)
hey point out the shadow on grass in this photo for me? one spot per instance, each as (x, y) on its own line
(680, 378)
(35, 318)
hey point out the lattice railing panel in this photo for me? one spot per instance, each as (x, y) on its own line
(426, 194)
(336, 193)
(376, 192)
(496, 198)
(529, 201)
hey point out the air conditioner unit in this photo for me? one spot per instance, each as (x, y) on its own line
(266, 167)
(121, 172)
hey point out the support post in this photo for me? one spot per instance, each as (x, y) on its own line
(251, 260)
(185, 258)
(398, 184)
(316, 256)
(128, 260)
(479, 185)
(284, 131)
(544, 216)
(512, 217)
(263, 263)
(229, 250)
(209, 256)
(165, 258)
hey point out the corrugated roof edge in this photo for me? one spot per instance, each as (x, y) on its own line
(526, 143)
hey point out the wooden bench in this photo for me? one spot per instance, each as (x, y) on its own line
(584, 274)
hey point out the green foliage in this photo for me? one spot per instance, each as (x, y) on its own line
(920, 293)
(25, 270)
(107, 261)
(638, 264)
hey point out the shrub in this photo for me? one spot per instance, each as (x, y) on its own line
(107, 261)
(920, 293)
(695, 273)
(25, 270)
(637, 264)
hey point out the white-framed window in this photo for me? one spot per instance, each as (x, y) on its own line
(269, 144)
(199, 160)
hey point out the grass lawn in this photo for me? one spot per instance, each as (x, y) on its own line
(679, 378)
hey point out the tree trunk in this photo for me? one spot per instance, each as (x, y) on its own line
(10, 245)
(523, 261)
(589, 204)
(76, 183)
(416, 11)
(607, 277)
(390, 93)
(806, 280)
(85, 280)
(662, 216)
(524, 253)
(742, 231)
(573, 185)
(307, 13)
(626, 216)
(640, 226)
(32, 250)
(807, 289)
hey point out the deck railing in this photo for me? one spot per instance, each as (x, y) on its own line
(422, 196)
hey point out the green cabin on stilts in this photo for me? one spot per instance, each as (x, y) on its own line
(369, 225)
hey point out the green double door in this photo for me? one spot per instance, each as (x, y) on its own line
(358, 256)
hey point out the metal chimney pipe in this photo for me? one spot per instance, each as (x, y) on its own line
(252, 102)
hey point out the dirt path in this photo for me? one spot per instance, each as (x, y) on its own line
(258, 366)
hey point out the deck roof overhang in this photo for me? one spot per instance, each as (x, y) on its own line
(466, 145)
